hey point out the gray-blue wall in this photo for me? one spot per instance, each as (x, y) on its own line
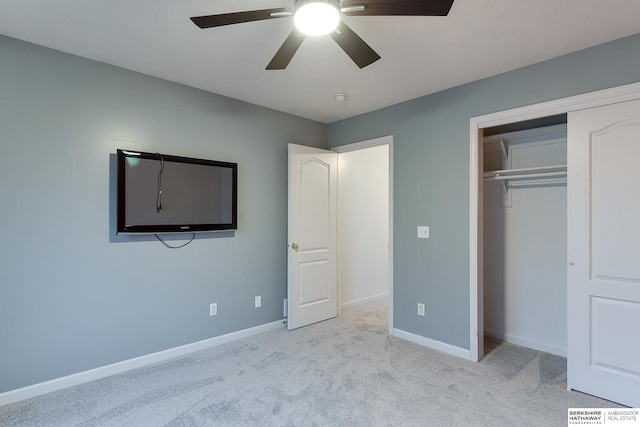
(73, 296)
(431, 181)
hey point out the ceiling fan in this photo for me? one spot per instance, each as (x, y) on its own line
(320, 17)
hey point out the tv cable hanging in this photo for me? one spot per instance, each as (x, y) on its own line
(159, 206)
(159, 194)
(176, 247)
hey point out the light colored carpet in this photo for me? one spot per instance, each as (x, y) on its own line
(342, 372)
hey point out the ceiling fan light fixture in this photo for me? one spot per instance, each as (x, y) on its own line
(316, 17)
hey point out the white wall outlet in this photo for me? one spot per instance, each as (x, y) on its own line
(258, 301)
(420, 309)
(213, 309)
(423, 232)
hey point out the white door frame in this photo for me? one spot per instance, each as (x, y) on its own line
(388, 141)
(477, 124)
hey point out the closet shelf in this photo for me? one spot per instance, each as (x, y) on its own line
(527, 177)
(543, 173)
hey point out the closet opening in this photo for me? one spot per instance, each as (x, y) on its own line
(589, 114)
(524, 220)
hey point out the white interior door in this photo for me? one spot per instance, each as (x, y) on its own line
(312, 234)
(604, 252)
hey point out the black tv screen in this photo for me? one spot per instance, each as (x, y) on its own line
(159, 193)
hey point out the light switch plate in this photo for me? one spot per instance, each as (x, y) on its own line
(423, 232)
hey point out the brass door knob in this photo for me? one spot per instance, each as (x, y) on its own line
(294, 246)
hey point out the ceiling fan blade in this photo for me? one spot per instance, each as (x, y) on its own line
(209, 21)
(284, 55)
(360, 52)
(397, 7)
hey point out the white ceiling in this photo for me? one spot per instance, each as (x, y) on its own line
(420, 55)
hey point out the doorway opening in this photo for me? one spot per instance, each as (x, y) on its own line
(365, 218)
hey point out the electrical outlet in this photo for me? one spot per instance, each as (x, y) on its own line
(213, 309)
(420, 309)
(258, 301)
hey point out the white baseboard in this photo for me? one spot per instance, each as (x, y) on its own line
(433, 344)
(365, 300)
(526, 342)
(127, 365)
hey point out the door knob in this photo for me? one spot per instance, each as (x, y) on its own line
(294, 246)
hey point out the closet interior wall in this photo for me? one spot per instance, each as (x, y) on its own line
(525, 238)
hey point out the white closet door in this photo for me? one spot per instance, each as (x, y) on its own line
(604, 252)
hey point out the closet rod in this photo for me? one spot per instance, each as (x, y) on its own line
(498, 177)
(555, 168)
(538, 183)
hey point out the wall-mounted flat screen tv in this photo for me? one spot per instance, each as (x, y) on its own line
(159, 193)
